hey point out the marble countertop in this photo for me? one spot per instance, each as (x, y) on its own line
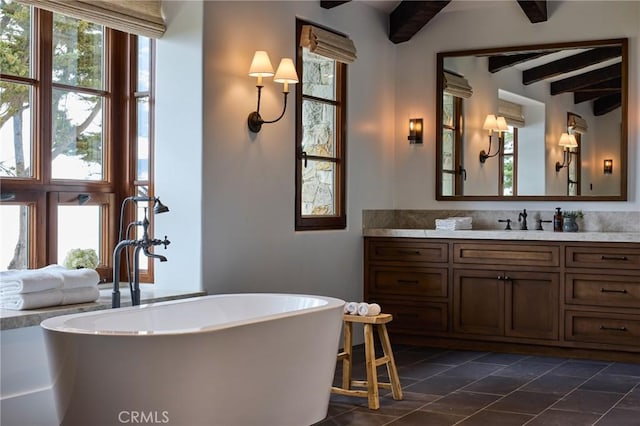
(614, 237)
(10, 319)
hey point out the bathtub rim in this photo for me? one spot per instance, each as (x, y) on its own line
(57, 324)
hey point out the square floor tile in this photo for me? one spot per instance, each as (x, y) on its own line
(564, 418)
(472, 370)
(611, 383)
(455, 357)
(588, 401)
(619, 417)
(502, 359)
(439, 385)
(410, 402)
(626, 369)
(422, 370)
(578, 369)
(550, 383)
(422, 418)
(525, 402)
(497, 385)
(463, 403)
(525, 369)
(356, 418)
(496, 418)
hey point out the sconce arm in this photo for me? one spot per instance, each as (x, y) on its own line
(484, 155)
(255, 121)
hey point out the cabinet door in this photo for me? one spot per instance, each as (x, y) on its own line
(532, 304)
(478, 302)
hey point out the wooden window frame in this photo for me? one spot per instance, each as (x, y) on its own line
(515, 165)
(459, 172)
(42, 193)
(339, 219)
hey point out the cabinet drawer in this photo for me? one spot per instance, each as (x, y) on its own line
(415, 317)
(407, 281)
(603, 257)
(407, 251)
(597, 327)
(506, 254)
(603, 290)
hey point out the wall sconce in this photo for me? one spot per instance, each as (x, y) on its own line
(608, 167)
(415, 131)
(567, 141)
(261, 67)
(493, 124)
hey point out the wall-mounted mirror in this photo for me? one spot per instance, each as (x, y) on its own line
(536, 122)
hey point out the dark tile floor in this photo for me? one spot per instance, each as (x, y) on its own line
(448, 387)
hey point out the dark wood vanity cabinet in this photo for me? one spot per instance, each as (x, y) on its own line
(529, 296)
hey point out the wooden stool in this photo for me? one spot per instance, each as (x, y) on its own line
(372, 363)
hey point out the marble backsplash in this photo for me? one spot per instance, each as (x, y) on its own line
(488, 219)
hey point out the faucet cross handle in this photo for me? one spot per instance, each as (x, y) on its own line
(508, 221)
(165, 242)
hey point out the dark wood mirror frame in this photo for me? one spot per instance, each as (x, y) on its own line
(533, 49)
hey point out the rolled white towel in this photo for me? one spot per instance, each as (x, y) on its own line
(78, 278)
(351, 308)
(368, 309)
(39, 299)
(28, 281)
(79, 295)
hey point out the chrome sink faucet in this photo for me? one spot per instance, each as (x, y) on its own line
(143, 244)
(522, 219)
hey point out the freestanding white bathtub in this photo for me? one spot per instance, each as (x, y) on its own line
(223, 360)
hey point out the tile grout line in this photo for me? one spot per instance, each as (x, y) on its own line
(637, 386)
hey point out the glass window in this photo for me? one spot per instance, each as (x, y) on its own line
(453, 173)
(320, 145)
(16, 141)
(14, 227)
(79, 227)
(508, 165)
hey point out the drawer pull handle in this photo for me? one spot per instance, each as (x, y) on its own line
(411, 252)
(606, 290)
(408, 282)
(604, 257)
(623, 328)
(504, 278)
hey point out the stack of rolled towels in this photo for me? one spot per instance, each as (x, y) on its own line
(52, 285)
(363, 309)
(453, 223)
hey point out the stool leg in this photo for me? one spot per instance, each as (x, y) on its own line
(396, 389)
(372, 374)
(346, 362)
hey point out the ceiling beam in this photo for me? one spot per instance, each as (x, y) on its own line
(328, 4)
(536, 10)
(597, 90)
(571, 84)
(570, 63)
(606, 104)
(500, 62)
(410, 16)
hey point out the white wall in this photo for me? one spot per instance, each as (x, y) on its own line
(496, 24)
(249, 242)
(178, 146)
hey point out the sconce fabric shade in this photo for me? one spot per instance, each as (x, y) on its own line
(286, 72)
(328, 44)
(456, 85)
(261, 65)
(490, 123)
(512, 112)
(568, 141)
(608, 167)
(502, 124)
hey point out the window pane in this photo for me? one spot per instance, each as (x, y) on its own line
(318, 188)
(77, 151)
(318, 128)
(15, 39)
(447, 184)
(144, 64)
(14, 227)
(16, 145)
(447, 110)
(142, 143)
(78, 228)
(318, 75)
(77, 52)
(447, 149)
(507, 175)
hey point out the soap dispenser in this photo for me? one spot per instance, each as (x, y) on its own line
(557, 220)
